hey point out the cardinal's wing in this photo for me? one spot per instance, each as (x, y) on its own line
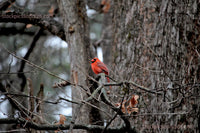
(103, 67)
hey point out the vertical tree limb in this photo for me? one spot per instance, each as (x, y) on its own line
(30, 50)
(31, 99)
(77, 35)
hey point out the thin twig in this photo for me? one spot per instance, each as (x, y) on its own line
(36, 66)
(134, 84)
(114, 115)
(152, 114)
(197, 53)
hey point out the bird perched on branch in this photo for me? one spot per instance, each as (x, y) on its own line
(99, 67)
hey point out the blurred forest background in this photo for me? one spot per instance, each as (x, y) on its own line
(38, 46)
(152, 49)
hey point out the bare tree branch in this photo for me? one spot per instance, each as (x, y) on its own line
(63, 127)
(13, 101)
(31, 100)
(108, 102)
(44, 21)
(134, 84)
(117, 110)
(22, 66)
(36, 66)
(114, 115)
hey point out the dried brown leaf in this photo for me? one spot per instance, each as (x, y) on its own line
(106, 5)
(123, 108)
(51, 11)
(62, 119)
(133, 100)
(131, 110)
(75, 76)
(29, 26)
(61, 84)
(131, 107)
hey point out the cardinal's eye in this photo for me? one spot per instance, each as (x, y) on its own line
(93, 60)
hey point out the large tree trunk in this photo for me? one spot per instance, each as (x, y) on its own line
(156, 44)
(76, 31)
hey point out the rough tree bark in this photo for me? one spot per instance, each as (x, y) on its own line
(76, 30)
(77, 33)
(156, 44)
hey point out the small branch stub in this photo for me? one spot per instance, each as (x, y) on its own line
(71, 29)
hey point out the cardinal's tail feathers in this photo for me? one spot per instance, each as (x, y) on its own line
(108, 79)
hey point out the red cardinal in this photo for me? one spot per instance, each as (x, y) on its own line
(99, 67)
